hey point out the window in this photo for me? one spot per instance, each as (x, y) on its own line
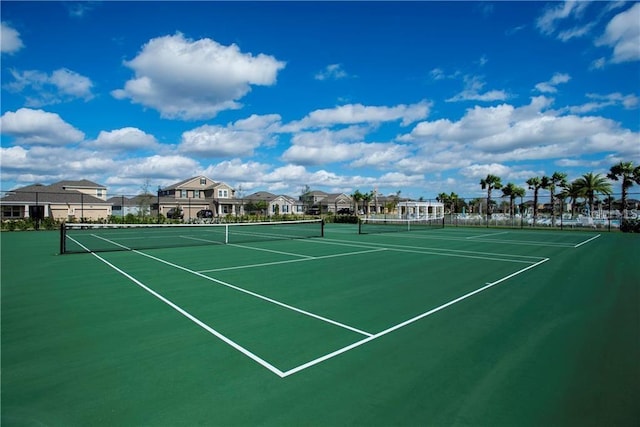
(285, 208)
(183, 194)
(99, 192)
(11, 212)
(203, 181)
(223, 194)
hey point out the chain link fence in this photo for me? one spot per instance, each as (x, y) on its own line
(48, 209)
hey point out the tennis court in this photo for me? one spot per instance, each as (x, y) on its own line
(450, 326)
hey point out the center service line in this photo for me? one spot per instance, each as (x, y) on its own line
(407, 322)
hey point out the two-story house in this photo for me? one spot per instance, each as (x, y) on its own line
(194, 194)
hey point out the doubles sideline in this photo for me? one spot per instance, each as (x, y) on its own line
(258, 359)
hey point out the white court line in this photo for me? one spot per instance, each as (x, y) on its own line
(239, 289)
(407, 322)
(272, 251)
(485, 235)
(587, 241)
(445, 252)
(189, 316)
(281, 374)
(429, 236)
(288, 261)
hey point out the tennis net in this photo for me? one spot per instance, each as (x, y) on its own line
(75, 238)
(389, 225)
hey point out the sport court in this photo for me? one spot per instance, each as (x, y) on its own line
(330, 313)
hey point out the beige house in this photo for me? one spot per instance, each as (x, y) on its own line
(326, 202)
(195, 194)
(64, 201)
(265, 203)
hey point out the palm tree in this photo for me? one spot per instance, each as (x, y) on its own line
(491, 182)
(366, 199)
(512, 191)
(443, 198)
(629, 175)
(357, 197)
(589, 185)
(535, 184)
(450, 200)
(572, 192)
(558, 179)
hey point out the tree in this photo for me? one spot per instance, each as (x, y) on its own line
(366, 199)
(625, 172)
(357, 197)
(144, 200)
(491, 182)
(572, 192)
(305, 197)
(558, 179)
(449, 200)
(512, 191)
(589, 185)
(444, 199)
(392, 204)
(535, 184)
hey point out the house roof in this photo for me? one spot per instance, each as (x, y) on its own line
(133, 201)
(185, 181)
(83, 183)
(53, 193)
(261, 195)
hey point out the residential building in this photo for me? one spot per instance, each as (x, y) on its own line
(194, 194)
(65, 201)
(265, 203)
(320, 201)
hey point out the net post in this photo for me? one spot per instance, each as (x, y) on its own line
(359, 225)
(63, 239)
(322, 228)
(226, 234)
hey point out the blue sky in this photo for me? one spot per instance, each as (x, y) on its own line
(417, 97)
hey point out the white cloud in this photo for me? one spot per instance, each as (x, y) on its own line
(128, 138)
(576, 32)
(472, 92)
(236, 170)
(42, 89)
(38, 127)
(357, 113)
(550, 86)
(236, 139)
(331, 72)
(598, 64)
(187, 79)
(309, 155)
(623, 35)
(555, 15)
(172, 167)
(34, 164)
(325, 146)
(480, 171)
(628, 102)
(10, 41)
(506, 133)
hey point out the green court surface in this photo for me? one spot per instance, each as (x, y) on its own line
(441, 327)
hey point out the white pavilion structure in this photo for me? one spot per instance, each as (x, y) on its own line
(420, 210)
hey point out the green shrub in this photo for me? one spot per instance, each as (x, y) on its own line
(630, 226)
